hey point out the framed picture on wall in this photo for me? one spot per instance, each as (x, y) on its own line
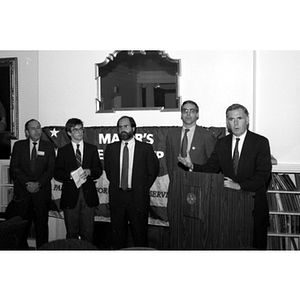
(8, 104)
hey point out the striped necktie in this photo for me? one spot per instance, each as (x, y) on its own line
(236, 155)
(78, 156)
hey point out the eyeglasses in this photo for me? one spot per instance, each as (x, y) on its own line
(191, 111)
(77, 130)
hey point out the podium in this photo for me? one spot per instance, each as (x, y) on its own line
(205, 215)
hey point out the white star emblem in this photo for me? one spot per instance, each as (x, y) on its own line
(54, 132)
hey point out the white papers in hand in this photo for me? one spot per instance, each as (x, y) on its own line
(76, 177)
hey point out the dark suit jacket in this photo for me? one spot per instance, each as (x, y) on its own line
(66, 163)
(253, 170)
(144, 172)
(202, 146)
(21, 171)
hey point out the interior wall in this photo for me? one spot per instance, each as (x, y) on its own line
(214, 79)
(278, 102)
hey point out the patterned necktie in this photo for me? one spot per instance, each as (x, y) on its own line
(236, 155)
(78, 156)
(33, 157)
(125, 163)
(184, 144)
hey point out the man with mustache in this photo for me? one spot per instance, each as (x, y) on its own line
(131, 167)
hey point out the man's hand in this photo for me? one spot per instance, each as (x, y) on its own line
(186, 161)
(85, 174)
(231, 184)
(33, 187)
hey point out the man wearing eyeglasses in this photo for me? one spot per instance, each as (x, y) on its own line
(190, 139)
(200, 141)
(78, 201)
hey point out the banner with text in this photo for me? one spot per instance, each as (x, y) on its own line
(101, 136)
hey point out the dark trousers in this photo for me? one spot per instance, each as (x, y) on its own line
(79, 221)
(138, 222)
(260, 235)
(34, 210)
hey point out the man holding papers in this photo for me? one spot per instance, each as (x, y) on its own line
(77, 166)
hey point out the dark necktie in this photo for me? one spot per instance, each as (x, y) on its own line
(78, 156)
(125, 163)
(184, 144)
(236, 155)
(33, 157)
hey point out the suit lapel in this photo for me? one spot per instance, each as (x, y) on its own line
(85, 154)
(247, 149)
(229, 146)
(39, 150)
(228, 152)
(27, 151)
(195, 144)
(135, 156)
(195, 138)
(118, 150)
(71, 155)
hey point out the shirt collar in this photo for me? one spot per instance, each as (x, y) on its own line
(192, 129)
(129, 142)
(31, 142)
(75, 144)
(241, 137)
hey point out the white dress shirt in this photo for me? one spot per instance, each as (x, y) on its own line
(241, 142)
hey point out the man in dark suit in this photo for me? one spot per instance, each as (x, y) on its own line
(249, 171)
(200, 144)
(129, 200)
(32, 167)
(78, 202)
